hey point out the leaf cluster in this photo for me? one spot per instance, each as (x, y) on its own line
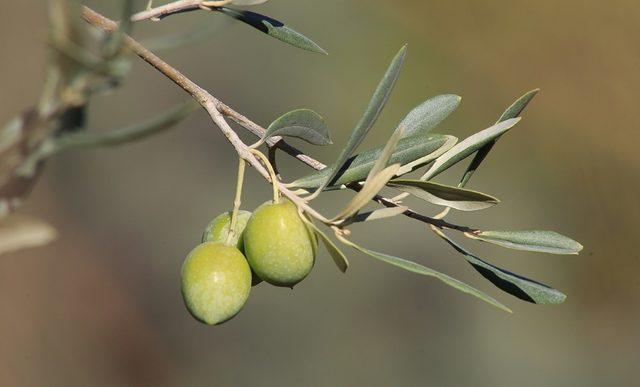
(412, 146)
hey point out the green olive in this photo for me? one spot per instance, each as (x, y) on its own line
(278, 244)
(218, 230)
(216, 281)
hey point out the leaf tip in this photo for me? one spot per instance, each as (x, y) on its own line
(403, 50)
(319, 50)
(315, 48)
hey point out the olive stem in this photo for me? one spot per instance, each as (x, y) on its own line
(168, 9)
(218, 109)
(237, 201)
(272, 159)
(272, 173)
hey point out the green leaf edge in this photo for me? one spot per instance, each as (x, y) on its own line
(535, 288)
(563, 245)
(337, 255)
(423, 270)
(377, 103)
(275, 130)
(410, 186)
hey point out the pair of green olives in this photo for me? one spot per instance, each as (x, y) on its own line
(273, 244)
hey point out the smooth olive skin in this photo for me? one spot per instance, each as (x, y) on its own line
(278, 245)
(218, 230)
(216, 281)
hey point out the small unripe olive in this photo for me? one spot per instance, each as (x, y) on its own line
(216, 280)
(278, 244)
(218, 230)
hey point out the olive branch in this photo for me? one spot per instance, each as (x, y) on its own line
(78, 74)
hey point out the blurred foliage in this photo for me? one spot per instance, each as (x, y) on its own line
(101, 305)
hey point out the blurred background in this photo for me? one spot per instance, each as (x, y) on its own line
(101, 306)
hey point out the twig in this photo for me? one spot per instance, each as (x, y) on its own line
(208, 102)
(237, 201)
(176, 7)
(217, 108)
(272, 173)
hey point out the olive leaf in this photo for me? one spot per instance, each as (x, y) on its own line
(419, 269)
(20, 232)
(450, 142)
(387, 151)
(429, 114)
(538, 241)
(304, 124)
(512, 111)
(369, 190)
(445, 195)
(408, 151)
(376, 175)
(247, 2)
(116, 137)
(129, 134)
(381, 213)
(514, 284)
(468, 146)
(273, 28)
(377, 103)
(518, 106)
(338, 256)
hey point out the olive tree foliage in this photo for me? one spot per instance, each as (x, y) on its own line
(90, 54)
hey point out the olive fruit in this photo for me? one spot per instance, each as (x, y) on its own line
(279, 246)
(218, 230)
(216, 280)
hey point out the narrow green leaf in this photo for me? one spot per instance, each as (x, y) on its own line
(130, 134)
(304, 124)
(377, 103)
(381, 213)
(247, 2)
(449, 143)
(518, 106)
(338, 256)
(368, 191)
(386, 154)
(429, 114)
(408, 150)
(514, 284)
(422, 270)
(468, 146)
(444, 195)
(512, 111)
(273, 28)
(538, 241)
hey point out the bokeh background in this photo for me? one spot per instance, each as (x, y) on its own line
(101, 306)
